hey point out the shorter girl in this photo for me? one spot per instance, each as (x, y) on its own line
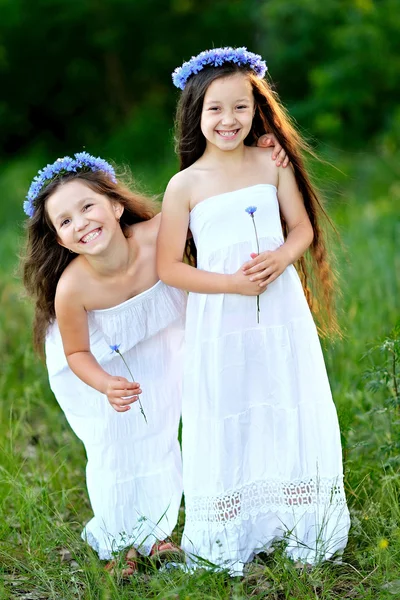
(90, 264)
(91, 268)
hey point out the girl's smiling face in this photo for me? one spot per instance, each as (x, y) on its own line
(84, 220)
(228, 111)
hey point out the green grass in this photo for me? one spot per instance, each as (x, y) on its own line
(42, 478)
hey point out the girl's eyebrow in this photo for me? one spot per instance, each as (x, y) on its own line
(246, 99)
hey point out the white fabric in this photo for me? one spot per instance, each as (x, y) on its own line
(261, 444)
(133, 470)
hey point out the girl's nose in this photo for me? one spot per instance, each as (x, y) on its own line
(228, 118)
(80, 222)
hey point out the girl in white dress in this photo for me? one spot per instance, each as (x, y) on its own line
(261, 444)
(90, 266)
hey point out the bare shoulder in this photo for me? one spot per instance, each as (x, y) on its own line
(262, 155)
(261, 158)
(70, 285)
(147, 231)
(181, 181)
(180, 186)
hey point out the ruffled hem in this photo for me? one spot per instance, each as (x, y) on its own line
(107, 545)
(309, 538)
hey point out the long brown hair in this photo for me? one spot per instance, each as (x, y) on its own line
(45, 260)
(317, 277)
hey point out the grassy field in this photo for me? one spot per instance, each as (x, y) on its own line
(42, 465)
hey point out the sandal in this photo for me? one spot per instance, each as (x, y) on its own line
(124, 567)
(165, 551)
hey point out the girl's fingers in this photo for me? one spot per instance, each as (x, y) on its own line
(122, 400)
(125, 395)
(120, 389)
(276, 151)
(249, 264)
(258, 269)
(120, 408)
(262, 275)
(128, 399)
(254, 265)
(124, 403)
(282, 155)
(271, 278)
(285, 162)
(264, 141)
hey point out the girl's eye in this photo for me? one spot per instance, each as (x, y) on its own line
(87, 206)
(65, 222)
(214, 108)
(242, 106)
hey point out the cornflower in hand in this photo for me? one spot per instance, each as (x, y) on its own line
(250, 211)
(115, 348)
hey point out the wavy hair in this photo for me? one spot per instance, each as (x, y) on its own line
(317, 276)
(45, 260)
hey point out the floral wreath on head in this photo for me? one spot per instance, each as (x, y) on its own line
(215, 58)
(82, 162)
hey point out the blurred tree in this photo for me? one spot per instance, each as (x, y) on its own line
(336, 64)
(75, 73)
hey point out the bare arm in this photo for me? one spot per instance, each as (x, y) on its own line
(73, 324)
(269, 265)
(170, 250)
(300, 232)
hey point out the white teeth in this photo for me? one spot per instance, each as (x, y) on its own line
(90, 236)
(228, 133)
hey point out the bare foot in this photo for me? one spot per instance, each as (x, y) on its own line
(124, 567)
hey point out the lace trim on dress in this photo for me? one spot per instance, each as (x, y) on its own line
(267, 496)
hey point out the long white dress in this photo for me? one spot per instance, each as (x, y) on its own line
(261, 444)
(133, 471)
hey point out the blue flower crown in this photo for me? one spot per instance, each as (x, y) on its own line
(83, 162)
(215, 58)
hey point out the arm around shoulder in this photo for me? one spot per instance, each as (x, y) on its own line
(292, 207)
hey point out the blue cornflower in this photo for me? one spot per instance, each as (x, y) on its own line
(82, 161)
(215, 58)
(251, 210)
(115, 347)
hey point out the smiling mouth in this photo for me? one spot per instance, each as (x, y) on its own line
(90, 236)
(227, 134)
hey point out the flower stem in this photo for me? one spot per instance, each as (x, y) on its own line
(258, 252)
(133, 379)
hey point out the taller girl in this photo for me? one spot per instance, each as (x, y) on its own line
(261, 442)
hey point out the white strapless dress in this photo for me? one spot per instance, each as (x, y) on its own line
(262, 457)
(133, 470)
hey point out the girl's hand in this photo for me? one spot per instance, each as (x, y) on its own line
(241, 284)
(121, 392)
(279, 154)
(266, 266)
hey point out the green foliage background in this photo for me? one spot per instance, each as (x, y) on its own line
(76, 73)
(95, 74)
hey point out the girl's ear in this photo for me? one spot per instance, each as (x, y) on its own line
(118, 209)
